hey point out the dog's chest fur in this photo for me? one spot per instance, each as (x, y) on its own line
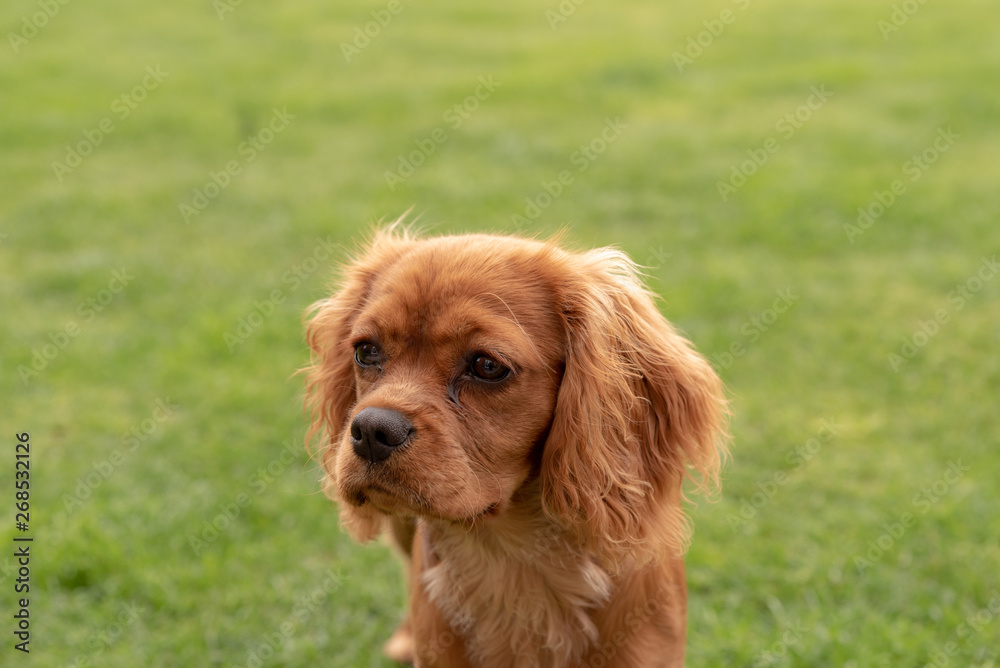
(516, 599)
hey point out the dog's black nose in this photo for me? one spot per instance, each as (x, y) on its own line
(377, 432)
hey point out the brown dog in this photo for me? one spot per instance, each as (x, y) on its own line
(522, 418)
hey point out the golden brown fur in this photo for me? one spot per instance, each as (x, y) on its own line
(541, 510)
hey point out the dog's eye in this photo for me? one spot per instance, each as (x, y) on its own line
(367, 353)
(485, 367)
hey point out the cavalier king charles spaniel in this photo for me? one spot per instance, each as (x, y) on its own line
(520, 418)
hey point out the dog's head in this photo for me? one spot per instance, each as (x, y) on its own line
(451, 374)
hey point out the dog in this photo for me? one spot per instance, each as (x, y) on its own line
(520, 418)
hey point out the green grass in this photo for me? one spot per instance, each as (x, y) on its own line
(116, 580)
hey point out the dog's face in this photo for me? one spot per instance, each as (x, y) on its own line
(450, 373)
(456, 363)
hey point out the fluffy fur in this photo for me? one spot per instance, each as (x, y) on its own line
(540, 512)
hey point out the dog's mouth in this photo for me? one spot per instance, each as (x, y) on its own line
(382, 498)
(405, 502)
(408, 487)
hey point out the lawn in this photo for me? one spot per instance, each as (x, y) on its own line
(812, 188)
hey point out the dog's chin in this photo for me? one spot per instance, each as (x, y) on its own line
(397, 502)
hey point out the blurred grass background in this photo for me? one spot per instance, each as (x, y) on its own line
(172, 404)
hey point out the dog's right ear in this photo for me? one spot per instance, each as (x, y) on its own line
(331, 391)
(330, 388)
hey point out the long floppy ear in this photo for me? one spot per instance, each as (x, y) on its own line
(638, 410)
(330, 382)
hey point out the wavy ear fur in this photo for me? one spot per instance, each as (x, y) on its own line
(330, 385)
(638, 410)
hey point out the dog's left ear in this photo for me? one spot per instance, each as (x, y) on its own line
(638, 410)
